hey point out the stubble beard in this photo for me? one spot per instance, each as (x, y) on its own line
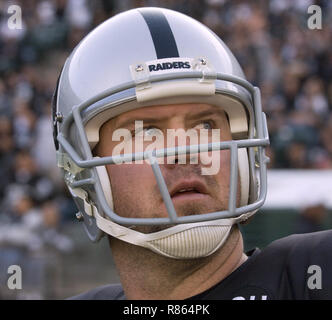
(126, 206)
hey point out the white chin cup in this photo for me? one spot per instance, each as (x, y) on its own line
(195, 242)
(183, 241)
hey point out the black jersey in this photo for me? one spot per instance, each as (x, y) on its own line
(295, 267)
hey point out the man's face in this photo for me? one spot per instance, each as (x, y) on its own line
(134, 187)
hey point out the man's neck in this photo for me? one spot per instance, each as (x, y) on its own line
(146, 275)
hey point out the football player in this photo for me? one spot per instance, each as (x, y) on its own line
(161, 141)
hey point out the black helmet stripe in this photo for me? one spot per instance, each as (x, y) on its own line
(161, 33)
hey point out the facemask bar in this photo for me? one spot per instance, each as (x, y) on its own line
(74, 163)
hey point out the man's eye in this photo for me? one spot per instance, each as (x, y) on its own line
(147, 131)
(204, 125)
(150, 131)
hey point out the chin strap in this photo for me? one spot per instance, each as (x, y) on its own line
(183, 241)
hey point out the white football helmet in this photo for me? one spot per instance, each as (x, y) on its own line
(146, 57)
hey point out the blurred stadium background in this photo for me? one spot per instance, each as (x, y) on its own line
(290, 63)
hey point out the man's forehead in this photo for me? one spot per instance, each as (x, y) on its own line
(168, 111)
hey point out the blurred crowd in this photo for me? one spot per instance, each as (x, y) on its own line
(278, 52)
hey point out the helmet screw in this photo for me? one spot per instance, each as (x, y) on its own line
(202, 61)
(79, 216)
(58, 117)
(139, 68)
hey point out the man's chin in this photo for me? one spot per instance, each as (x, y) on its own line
(185, 211)
(152, 228)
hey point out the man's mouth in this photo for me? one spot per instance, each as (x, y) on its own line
(188, 189)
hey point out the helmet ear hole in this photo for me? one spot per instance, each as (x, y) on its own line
(105, 185)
